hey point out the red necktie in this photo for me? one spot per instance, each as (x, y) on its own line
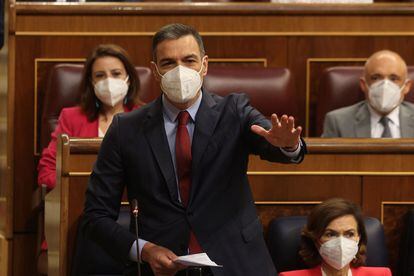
(183, 161)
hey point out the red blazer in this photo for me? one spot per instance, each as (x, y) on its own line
(360, 271)
(74, 123)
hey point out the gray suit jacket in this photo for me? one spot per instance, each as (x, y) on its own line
(354, 121)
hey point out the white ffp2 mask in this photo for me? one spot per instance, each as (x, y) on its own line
(181, 84)
(111, 91)
(385, 95)
(338, 252)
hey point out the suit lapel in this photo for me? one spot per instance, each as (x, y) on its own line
(406, 121)
(205, 123)
(362, 122)
(155, 134)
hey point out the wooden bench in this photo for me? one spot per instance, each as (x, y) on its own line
(375, 173)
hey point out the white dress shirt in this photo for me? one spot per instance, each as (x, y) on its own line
(394, 123)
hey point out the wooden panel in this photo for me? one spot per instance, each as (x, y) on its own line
(24, 254)
(5, 256)
(393, 221)
(389, 198)
(271, 210)
(292, 193)
(380, 189)
(228, 17)
(304, 188)
(76, 199)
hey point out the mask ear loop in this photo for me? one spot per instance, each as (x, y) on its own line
(202, 65)
(156, 68)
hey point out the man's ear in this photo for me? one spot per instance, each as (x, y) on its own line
(407, 86)
(155, 72)
(205, 66)
(364, 86)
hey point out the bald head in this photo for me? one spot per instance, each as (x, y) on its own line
(385, 64)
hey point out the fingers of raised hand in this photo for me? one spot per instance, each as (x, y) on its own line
(298, 131)
(275, 120)
(259, 130)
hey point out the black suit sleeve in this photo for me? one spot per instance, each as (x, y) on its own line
(103, 198)
(257, 144)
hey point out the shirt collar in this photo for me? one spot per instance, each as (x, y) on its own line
(172, 112)
(393, 115)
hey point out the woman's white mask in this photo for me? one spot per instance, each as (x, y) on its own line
(111, 91)
(181, 83)
(339, 252)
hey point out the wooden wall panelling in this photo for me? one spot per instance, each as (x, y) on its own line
(273, 209)
(379, 189)
(24, 254)
(389, 198)
(5, 256)
(298, 187)
(394, 223)
(312, 50)
(287, 195)
(24, 183)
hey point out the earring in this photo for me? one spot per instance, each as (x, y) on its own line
(125, 100)
(97, 104)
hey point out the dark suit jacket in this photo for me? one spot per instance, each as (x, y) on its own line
(221, 210)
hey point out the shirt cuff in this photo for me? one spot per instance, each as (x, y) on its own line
(293, 154)
(133, 251)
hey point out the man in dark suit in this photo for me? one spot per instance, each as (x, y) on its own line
(184, 157)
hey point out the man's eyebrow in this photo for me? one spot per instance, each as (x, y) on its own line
(191, 56)
(166, 59)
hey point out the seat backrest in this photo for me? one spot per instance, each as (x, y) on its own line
(270, 89)
(284, 242)
(63, 91)
(339, 87)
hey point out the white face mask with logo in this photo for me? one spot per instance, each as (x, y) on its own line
(181, 84)
(385, 95)
(339, 252)
(111, 91)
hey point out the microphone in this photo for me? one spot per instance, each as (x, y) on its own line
(134, 211)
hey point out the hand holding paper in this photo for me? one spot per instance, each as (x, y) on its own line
(200, 259)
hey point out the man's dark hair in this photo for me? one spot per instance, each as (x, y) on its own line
(175, 31)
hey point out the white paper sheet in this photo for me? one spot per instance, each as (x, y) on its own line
(200, 259)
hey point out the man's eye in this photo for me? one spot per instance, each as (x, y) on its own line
(350, 235)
